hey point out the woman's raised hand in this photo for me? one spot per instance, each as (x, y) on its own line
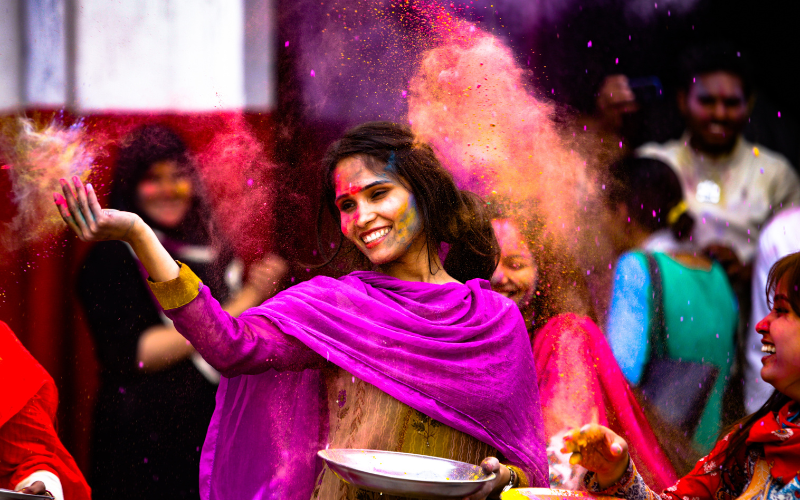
(600, 450)
(82, 213)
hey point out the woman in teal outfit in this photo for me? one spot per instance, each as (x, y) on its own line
(700, 311)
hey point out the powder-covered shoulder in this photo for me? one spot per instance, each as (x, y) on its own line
(768, 156)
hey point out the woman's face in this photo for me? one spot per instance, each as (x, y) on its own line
(515, 275)
(378, 214)
(780, 331)
(165, 194)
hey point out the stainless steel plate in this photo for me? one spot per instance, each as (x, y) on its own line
(404, 474)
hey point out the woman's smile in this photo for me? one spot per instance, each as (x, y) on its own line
(374, 237)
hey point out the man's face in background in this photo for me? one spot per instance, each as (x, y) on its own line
(716, 111)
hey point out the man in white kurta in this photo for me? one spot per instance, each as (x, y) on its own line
(732, 187)
(730, 196)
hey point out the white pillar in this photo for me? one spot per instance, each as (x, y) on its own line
(45, 53)
(183, 55)
(260, 68)
(10, 56)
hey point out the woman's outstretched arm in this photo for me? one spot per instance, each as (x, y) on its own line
(233, 347)
(81, 211)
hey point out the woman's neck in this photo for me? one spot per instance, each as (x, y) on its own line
(417, 265)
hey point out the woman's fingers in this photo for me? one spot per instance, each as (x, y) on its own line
(489, 465)
(75, 209)
(78, 222)
(83, 203)
(595, 447)
(63, 209)
(94, 205)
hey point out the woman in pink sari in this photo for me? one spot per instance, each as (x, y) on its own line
(578, 377)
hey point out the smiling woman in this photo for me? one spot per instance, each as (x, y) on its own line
(379, 178)
(413, 355)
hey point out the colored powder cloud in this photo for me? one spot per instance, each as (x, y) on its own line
(470, 100)
(37, 158)
(238, 177)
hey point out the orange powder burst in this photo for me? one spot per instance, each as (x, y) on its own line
(37, 159)
(469, 99)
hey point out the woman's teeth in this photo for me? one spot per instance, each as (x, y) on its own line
(374, 236)
(768, 348)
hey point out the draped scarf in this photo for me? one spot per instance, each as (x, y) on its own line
(457, 353)
(780, 438)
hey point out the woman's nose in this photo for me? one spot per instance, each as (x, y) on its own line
(762, 326)
(365, 216)
(499, 277)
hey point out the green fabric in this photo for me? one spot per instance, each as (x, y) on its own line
(700, 316)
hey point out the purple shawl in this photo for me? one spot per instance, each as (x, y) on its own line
(457, 353)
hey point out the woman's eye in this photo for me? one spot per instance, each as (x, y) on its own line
(346, 206)
(379, 193)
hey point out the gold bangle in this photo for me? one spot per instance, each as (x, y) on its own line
(512, 480)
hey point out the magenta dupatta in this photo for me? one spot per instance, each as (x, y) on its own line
(458, 353)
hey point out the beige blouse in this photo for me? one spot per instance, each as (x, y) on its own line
(363, 416)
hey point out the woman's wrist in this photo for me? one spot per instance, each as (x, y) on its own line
(136, 231)
(612, 477)
(157, 261)
(505, 479)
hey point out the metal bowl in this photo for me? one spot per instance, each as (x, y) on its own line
(549, 494)
(405, 474)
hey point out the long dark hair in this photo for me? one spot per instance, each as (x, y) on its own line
(787, 268)
(449, 215)
(651, 191)
(142, 148)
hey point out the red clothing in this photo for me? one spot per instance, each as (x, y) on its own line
(28, 439)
